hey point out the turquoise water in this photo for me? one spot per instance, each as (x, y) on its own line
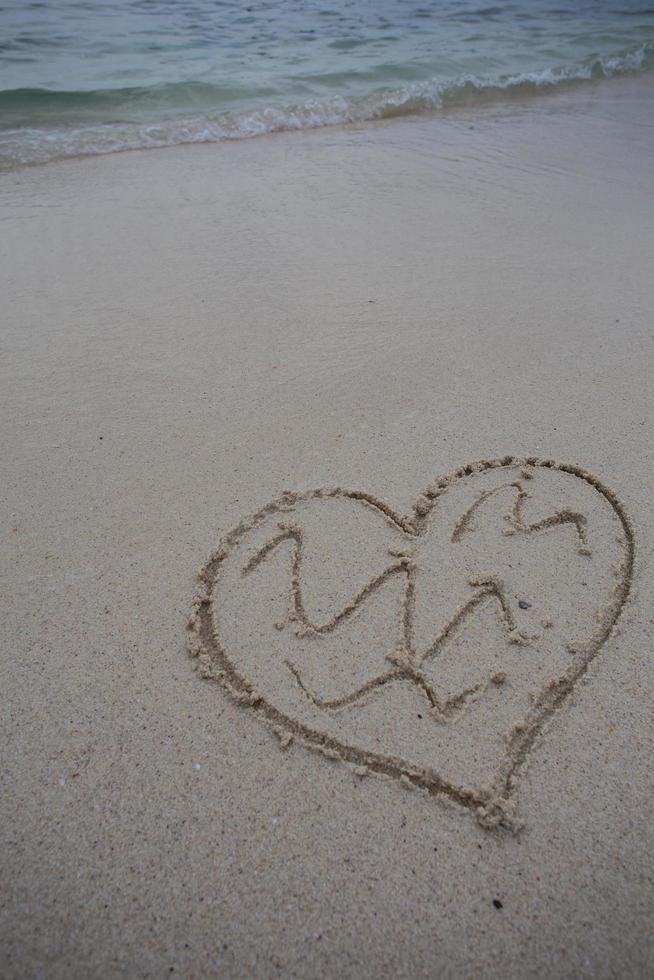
(99, 76)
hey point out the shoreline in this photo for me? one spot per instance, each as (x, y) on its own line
(494, 100)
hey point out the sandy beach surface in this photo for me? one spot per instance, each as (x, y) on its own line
(425, 745)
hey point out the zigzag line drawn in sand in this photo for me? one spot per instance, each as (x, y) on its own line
(492, 808)
(515, 517)
(407, 662)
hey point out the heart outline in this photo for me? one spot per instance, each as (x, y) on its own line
(214, 663)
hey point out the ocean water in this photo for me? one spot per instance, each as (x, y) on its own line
(96, 76)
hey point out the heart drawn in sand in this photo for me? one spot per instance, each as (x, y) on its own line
(431, 647)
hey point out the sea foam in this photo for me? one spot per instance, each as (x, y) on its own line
(35, 144)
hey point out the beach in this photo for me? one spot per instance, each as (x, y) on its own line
(190, 333)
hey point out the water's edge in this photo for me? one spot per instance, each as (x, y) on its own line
(74, 124)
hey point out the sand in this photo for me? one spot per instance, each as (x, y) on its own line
(415, 737)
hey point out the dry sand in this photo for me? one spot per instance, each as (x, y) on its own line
(189, 333)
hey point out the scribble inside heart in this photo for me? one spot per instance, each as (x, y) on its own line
(430, 647)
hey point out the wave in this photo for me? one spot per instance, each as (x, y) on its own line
(25, 103)
(68, 123)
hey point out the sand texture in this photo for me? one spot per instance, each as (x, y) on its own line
(326, 552)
